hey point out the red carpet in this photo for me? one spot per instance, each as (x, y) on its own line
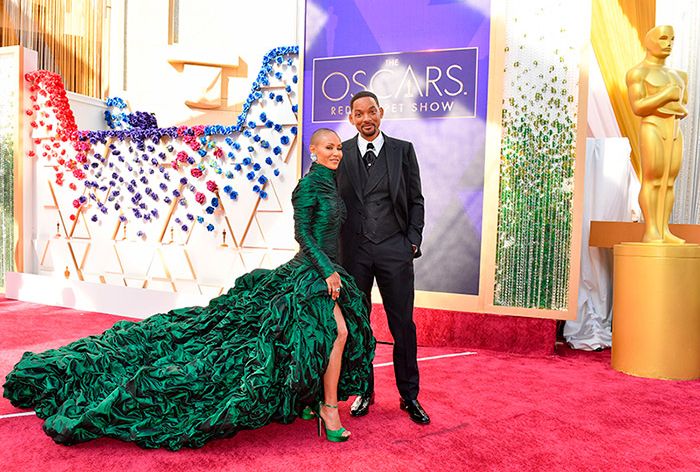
(491, 411)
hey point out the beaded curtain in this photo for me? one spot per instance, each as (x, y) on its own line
(8, 116)
(538, 151)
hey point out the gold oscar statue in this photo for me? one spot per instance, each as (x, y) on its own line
(656, 303)
(659, 95)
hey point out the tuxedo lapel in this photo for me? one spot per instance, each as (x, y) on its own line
(353, 167)
(393, 166)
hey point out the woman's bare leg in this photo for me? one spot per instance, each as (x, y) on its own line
(332, 375)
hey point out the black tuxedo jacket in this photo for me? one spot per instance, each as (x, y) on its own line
(404, 187)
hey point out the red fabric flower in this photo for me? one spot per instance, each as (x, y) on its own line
(200, 198)
(196, 173)
(211, 186)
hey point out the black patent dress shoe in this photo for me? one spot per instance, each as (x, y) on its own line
(415, 411)
(360, 407)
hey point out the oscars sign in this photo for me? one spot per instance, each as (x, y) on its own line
(409, 85)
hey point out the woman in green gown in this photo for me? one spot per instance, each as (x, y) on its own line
(277, 341)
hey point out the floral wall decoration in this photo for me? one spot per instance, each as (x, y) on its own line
(135, 164)
(146, 206)
(538, 153)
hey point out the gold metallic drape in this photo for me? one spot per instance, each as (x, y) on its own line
(617, 31)
(67, 35)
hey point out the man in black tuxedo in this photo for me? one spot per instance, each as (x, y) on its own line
(379, 181)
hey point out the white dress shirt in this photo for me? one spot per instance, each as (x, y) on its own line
(378, 144)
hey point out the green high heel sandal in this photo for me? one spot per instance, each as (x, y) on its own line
(333, 435)
(308, 413)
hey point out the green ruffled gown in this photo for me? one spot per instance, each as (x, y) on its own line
(254, 355)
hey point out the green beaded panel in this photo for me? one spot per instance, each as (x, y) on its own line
(6, 207)
(538, 152)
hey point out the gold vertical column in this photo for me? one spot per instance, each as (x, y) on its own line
(656, 310)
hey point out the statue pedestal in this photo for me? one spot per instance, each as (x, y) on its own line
(656, 310)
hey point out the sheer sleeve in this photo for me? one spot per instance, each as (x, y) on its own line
(305, 206)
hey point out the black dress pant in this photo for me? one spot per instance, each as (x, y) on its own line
(391, 263)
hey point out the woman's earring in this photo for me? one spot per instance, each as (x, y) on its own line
(313, 157)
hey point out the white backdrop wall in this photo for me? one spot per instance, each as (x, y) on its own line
(249, 231)
(212, 30)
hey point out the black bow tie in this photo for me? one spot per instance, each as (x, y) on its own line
(369, 156)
